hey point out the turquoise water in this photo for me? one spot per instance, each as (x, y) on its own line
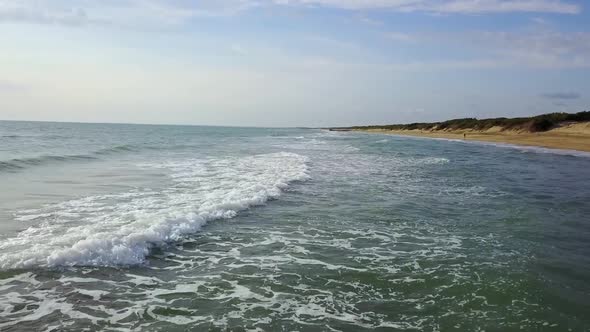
(175, 228)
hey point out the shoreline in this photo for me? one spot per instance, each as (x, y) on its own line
(567, 137)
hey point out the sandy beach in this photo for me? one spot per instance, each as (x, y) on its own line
(573, 136)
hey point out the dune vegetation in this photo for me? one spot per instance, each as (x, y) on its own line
(539, 123)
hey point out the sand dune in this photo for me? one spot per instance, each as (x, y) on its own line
(574, 136)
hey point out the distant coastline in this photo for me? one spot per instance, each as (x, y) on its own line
(554, 130)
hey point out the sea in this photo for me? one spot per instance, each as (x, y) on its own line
(121, 227)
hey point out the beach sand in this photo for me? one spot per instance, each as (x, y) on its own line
(574, 136)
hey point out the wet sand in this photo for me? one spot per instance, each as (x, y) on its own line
(569, 136)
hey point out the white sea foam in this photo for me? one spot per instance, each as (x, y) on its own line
(256, 286)
(314, 143)
(120, 229)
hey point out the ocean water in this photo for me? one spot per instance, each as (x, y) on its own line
(109, 227)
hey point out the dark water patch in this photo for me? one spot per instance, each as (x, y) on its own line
(9, 166)
(40, 136)
(117, 149)
(22, 163)
(18, 164)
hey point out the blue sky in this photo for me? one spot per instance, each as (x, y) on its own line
(291, 62)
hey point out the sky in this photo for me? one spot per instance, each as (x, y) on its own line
(284, 63)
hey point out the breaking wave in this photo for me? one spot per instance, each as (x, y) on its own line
(120, 229)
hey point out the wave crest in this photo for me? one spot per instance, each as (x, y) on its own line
(22, 163)
(120, 229)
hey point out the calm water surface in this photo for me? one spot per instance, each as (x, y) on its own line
(176, 228)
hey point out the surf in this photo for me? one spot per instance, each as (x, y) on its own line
(121, 229)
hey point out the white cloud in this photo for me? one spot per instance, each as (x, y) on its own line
(399, 36)
(448, 6)
(502, 6)
(370, 21)
(111, 12)
(546, 49)
(132, 12)
(526, 48)
(25, 11)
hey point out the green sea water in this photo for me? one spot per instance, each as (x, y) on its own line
(178, 228)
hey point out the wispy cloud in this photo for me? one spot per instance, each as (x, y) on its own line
(128, 12)
(12, 11)
(448, 6)
(527, 48)
(370, 21)
(561, 95)
(489, 50)
(500, 6)
(399, 36)
(550, 49)
(121, 13)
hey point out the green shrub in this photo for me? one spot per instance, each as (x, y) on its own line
(534, 124)
(541, 124)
